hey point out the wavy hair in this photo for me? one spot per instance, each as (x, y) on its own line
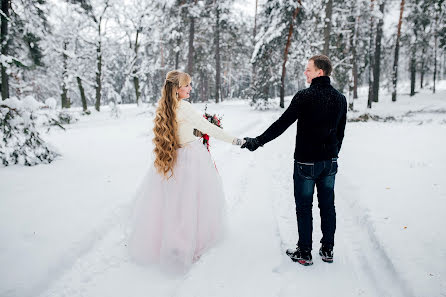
(165, 124)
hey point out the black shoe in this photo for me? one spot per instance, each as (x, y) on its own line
(326, 253)
(300, 256)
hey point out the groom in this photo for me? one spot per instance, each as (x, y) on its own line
(320, 111)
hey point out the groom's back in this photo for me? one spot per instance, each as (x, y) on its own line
(321, 121)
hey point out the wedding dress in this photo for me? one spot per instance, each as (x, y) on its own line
(178, 219)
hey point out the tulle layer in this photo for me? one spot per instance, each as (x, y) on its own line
(177, 220)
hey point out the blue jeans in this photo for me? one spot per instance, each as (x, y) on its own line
(306, 176)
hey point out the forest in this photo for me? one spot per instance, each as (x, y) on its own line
(90, 52)
(59, 54)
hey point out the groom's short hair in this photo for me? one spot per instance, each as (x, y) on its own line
(322, 62)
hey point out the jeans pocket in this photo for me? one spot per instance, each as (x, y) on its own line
(305, 170)
(334, 167)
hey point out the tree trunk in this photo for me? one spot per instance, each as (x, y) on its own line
(397, 52)
(201, 86)
(435, 49)
(82, 93)
(442, 65)
(177, 55)
(190, 54)
(217, 54)
(353, 80)
(413, 71)
(422, 66)
(64, 94)
(162, 55)
(98, 70)
(370, 54)
(355, 57)
(206, 86)
(135, 70)
(413, 64)
(229, 80)
(255, 20)
(253, 76)
(137, 91)
(377, 58)
(285, 56)
(5, 43)
(327, 27)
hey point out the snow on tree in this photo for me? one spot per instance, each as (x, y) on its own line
(23, 27)
(272, 44)
(20, 140)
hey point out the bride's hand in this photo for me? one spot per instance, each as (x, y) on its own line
(198, 133)
(238, 141)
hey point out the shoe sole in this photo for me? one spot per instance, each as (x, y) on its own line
(300, 261)
(326, 259)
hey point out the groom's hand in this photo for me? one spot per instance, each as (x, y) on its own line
(251, 144)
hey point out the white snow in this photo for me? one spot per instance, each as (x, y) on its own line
(62, 225)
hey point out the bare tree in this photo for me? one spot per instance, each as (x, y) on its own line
(82, 92)
(97, 20)
(99, 57)
(79, 82)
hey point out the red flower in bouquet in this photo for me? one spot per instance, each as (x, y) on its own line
(213, 119)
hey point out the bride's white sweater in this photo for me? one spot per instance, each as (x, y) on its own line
(189, 119)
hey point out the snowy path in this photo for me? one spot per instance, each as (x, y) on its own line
(62, 227)
(359, 269)
(251, 260)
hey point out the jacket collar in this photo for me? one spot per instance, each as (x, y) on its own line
(320, 81)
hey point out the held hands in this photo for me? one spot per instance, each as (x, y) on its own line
(238, 141)
(251, 144)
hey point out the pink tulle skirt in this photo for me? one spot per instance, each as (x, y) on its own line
(176, 220)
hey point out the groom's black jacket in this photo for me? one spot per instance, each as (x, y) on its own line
(320, 111)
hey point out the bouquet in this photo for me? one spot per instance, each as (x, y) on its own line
(213, 119)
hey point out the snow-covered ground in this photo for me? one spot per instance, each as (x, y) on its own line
(62, 225)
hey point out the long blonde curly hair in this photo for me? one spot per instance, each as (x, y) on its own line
(165, 124)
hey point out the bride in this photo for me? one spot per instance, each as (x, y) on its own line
(179, 206)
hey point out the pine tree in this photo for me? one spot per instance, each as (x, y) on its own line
(23, 27)
(20, 140)
(277, 19)
(285, 54)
